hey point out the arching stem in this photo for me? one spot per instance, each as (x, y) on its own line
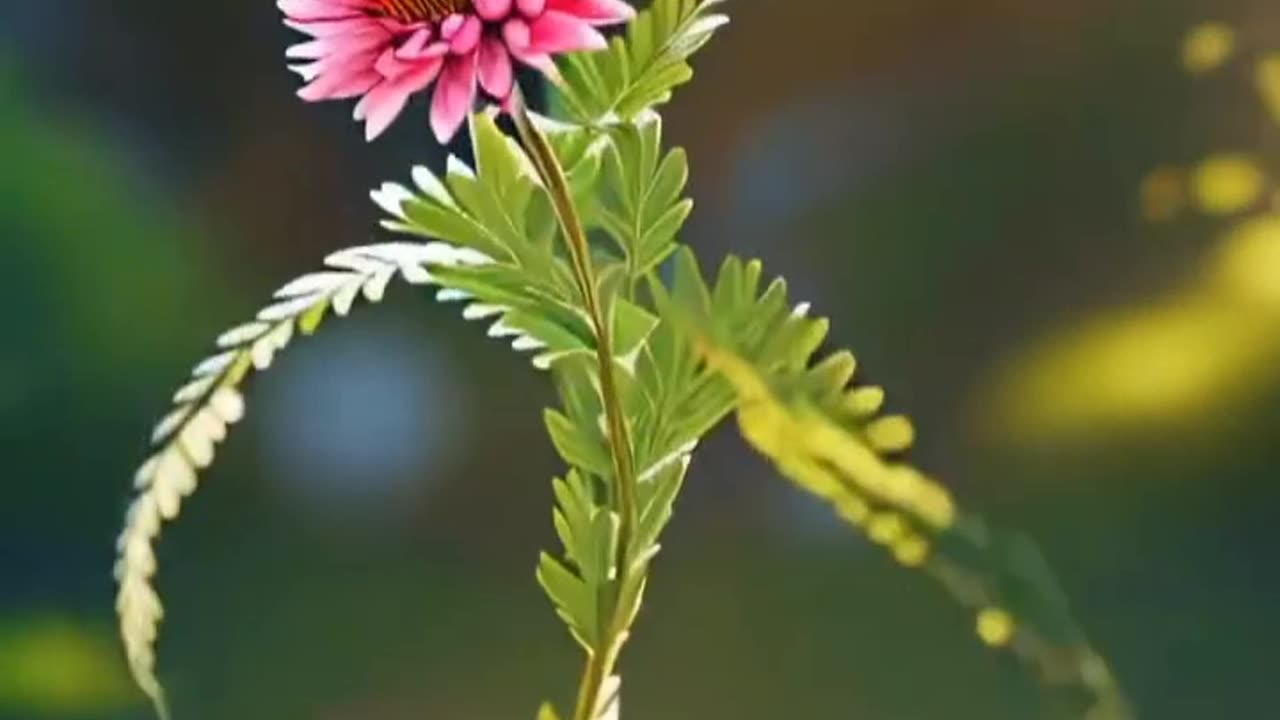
(600, 662)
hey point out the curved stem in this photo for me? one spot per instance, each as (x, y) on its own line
(600, 662)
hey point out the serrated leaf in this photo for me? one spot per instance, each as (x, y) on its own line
(644, 210)
(579, 446)
(574, 601)
(656, 505)
(573, 515)
(632, 325)
(210, 402)
(642, 70)
(824, 436)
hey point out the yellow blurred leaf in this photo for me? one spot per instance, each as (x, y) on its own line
(911, 551)
(1207, 47)
(1162, 365)
(825, 458)
(1227, 183)
(1269, 83)
(58, 667)
(1248, 265)
(891, 434)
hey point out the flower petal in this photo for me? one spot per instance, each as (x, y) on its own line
(557, 32)
(495, 71)
(596, 12)
(454, 95)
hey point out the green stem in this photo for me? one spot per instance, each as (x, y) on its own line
(601, 661)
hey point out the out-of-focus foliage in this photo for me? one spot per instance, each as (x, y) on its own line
(948, 179)
(827, 435)
(77, 195)
(59, 667)
(1227, 183)
(640, 71)
(1208, 46)
(640, 382)
(1269, 83)
(1204, 348)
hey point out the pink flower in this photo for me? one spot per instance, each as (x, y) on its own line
(384, 51)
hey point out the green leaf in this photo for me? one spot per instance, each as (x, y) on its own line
(578, 445)
(822, 433)
(642, 70)
(589, 533)
(522, 286)
(657, 499)
(547, 712)
(575, 602)
(689, 397)
(644, 209)
(581, 151)
(573, 515)
(632, 325)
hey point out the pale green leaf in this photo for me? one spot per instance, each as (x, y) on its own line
(642, 70)
(574, 601)
(577, 445)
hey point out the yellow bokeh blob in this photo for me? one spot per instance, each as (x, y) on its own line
(1248, 265)
(995, 627)
(56, 667)
(1207, 47)
(911, 551)
(1269, 83)
(1227, 183)
(886, 528)
(1157, 366)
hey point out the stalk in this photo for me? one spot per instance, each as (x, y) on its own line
(600, 662)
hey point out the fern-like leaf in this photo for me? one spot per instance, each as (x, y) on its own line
(596, 592)
(493, 209)
(828, 436)
(185, 440)
(646, 207)
(640, 71)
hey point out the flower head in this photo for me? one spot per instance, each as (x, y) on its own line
(385, 51)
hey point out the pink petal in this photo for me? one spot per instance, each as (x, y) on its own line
(381, 105)
(467, 38)
(415, 46)
(596, 12)
(495, 71)
(493, 10)
(455, 93)
(531, 8)
(557, 32)
(338, 86)
(379, 108)
(540, 62)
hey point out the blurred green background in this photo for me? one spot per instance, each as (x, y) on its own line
(959, 184)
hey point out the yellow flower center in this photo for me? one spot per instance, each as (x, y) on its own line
(422, 10)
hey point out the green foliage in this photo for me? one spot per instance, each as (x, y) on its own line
(644, 370)
(644, 207)
(641, 71)
(826, 435)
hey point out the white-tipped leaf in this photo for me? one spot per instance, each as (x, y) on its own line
(186, 440)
